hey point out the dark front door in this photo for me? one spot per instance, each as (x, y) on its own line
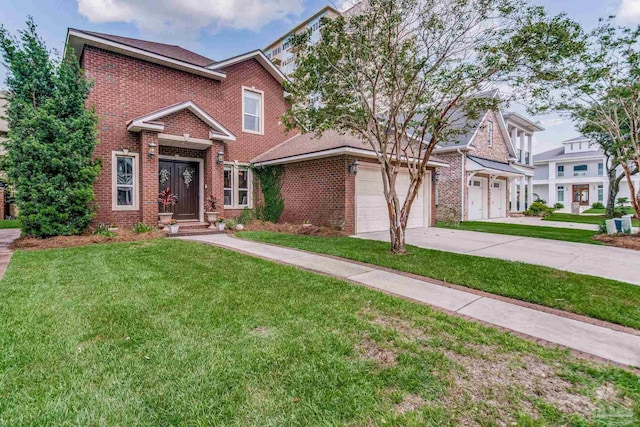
(184, 180)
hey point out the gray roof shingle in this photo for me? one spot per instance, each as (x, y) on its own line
(559, 154)
(493, 164)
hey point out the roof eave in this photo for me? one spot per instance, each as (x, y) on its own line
(259, 56)
(77, 40)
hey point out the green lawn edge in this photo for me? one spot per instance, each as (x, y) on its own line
(591, 296)
(540, 232)
(9, 223)
(581, 219)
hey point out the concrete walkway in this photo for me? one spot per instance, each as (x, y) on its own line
(7, 236)
(538, 222)
(620, 347)
(602, 261)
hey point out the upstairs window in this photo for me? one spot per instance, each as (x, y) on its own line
(489, 134)
(580, 170)
(600, 169)
(252, 109)
(560, 170)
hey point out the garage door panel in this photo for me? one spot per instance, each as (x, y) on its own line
(371, 207)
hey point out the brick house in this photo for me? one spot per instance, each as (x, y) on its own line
(169, 117)
(490, 173)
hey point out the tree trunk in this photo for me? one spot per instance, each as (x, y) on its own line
(397, 237)
(614, 188)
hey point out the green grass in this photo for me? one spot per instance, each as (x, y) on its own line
(553, 233)
(626, 210)
(582, 219)
(167, 332)
(9, 223)
(596, 297)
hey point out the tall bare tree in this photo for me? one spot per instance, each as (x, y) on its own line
(402, 74)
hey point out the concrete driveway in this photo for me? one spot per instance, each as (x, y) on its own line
(538, 222)
(602, 261)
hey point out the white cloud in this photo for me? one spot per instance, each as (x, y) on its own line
(629, 12)
(185, 18)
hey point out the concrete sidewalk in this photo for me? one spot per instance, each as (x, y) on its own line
(7, 236)
(619, 347)
(602, 261)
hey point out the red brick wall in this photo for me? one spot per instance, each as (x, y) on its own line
(449, 188)
(126, 88)
(317, 191)
(498, 150)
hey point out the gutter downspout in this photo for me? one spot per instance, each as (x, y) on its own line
(462, 187)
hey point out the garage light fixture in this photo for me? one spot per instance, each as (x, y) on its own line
(353, 167)
(152, 149)
(220, 157)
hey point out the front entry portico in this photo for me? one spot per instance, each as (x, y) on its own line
(183, 178)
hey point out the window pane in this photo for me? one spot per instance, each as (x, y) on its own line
(125, 196)
(243, 197)
(227, 198)
(243, 178)
(125, 170)
(251, 123)
(252, 103)
(227, 178)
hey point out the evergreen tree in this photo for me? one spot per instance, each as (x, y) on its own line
(52, 136)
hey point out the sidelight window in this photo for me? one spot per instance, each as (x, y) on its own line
(125, 181)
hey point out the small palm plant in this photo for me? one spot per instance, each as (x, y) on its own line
(167, 198)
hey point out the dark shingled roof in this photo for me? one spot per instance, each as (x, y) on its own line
(168, 50)
(492, 164)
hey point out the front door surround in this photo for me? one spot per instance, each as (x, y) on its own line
(183, 177)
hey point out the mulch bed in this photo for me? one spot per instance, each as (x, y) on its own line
(628, 241)
(312, 230)
(31, 243)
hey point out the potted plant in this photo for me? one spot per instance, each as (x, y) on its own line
(173, 226)
(166, 199)
(210, 206)
(221, 223)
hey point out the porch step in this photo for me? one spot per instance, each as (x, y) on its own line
(191, 231)
(193, 225)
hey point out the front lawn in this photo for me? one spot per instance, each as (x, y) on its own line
(582, 219)
(166, 332)
(625, 210)
(9, 223)
(596, 297)
(553, 233)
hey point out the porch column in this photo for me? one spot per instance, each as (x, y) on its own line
(530, 190)
(522, 190)
(523, 146)
(148, 179)
(214, 175)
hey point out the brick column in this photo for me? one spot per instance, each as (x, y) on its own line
(148, 179)
(214, 175)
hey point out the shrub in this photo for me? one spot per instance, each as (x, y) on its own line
(538, 208)
(622, 201)
(598, 205)
(539, 200)
(52, 137)
(273, 205)
(231, 223)
(103, 230)
(558, 206)
(141, 227)
(602, 228)
(246, 216)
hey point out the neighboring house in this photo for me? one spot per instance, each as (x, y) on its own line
(575, 172)
(169, 117)
(281, 52)
(490, 168)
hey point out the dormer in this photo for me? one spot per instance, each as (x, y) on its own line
(578, 145)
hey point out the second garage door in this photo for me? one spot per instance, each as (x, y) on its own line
(371, 207)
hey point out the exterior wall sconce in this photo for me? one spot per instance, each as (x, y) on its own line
(353, 167)
(220, 157)
(435, 176)
(152, 149)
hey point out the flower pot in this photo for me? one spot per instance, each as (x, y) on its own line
(306, 225)
(221, 226)
(165, 219)
(113, 229)
(173, 228)
(212, 217)
(239, 227)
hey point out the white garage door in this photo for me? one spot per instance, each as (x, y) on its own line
(498, 199)
(477, 199)
(371, 207)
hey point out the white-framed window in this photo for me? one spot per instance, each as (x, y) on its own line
(561, 194)
(580, 170)
(237, 186)
(601, 193)
(124, 177)
(600, 169)
(560, 173)
(252, 110)
(489, 133)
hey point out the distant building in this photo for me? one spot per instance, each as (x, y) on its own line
(280, 51)
(575, 172)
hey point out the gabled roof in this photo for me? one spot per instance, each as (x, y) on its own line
(307, 146)
(522, 121)
(151, 121)
(576, 139)
(157, 53)
(168, 50)
(491, 166)
(259, 56)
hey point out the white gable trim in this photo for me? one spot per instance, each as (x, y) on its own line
(77, 39)
(259, 56)
(149, 121)
(505, 133)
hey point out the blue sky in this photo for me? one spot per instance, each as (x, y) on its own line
(223, 28)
